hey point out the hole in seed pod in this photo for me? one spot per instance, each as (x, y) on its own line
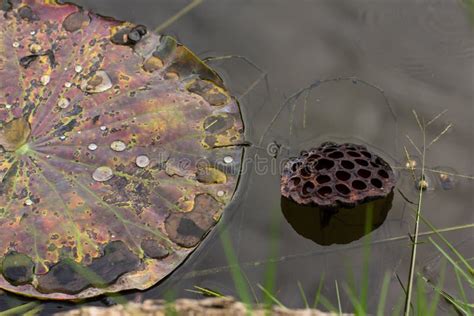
(295, 166)
(346, 164)
(323, 179)
(308, 188)
(373, 164)
(336, 155)
(366, 153)
(306, 172)
(376, 183)
(343, 175)
(304, 153)
(364, 173)
(343, 189)
(379, 162)
(359, 185)
(362, 162)
(383, 174)
(328, 150)
(325, 191)
(324, 164)
(313, 157)
(353, 154)
(295, 181)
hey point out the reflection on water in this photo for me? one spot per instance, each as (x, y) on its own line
(336, 226)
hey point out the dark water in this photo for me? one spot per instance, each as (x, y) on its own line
(420, 53)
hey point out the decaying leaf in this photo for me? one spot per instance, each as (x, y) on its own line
(119, 151)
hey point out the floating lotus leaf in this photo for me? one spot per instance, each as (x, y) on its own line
(119, 152)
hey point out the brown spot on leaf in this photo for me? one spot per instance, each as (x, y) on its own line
(154, 249)
(210, 175)
(153, 64)
(212, 93)
(15, 134)
(17, 268)
(67, 276)
(26, 13)
(216, 124)
(76, 21)
(188, 229)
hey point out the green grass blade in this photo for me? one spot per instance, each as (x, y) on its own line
(450, 246)
(271, 266)
(453, 262)
(462, 291)
(327, 304)
(20, 310)
(237, 276)
(420, 297)
(35, 311)
(205, 292)
(383, 295)
(318, 292)
(366, 265)
(270, 296)
(417, 223)
(359, 310)
(303, 295)
(434, 303)
(338, 298)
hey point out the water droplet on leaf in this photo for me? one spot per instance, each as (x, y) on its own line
(45, 80)
(100, 82)
(102, 174)
(63, 103)
(118, 145)
(142, 161)
(92, 147)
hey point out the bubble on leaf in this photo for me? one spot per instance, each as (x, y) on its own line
(103, 174)
(118, 145)
(142, 161)
(45, 80)
(63, 103)
(228, 159)
(99, 82)
(92, 147)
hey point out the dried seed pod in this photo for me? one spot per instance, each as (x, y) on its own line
(333, 175)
